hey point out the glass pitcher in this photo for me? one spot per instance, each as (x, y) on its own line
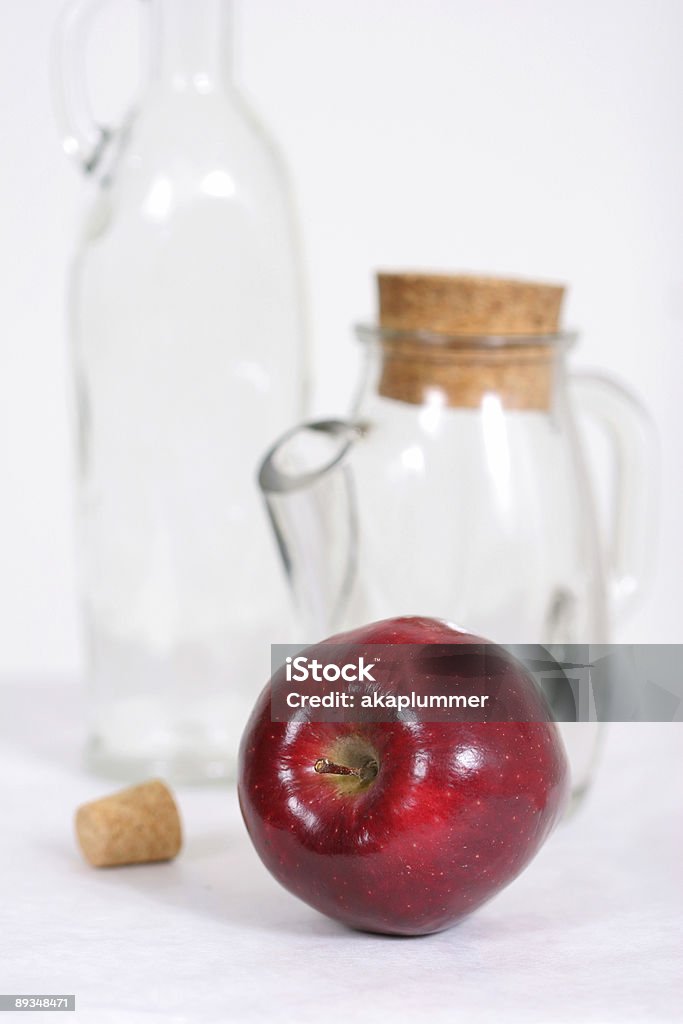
(189, 350)
(459, 487)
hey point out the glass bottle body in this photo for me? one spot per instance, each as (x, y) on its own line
(188, 344)
(483, 517)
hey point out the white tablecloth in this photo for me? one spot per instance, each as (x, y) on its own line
(591, 931)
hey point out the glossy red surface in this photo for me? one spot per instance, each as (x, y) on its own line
(455, 812)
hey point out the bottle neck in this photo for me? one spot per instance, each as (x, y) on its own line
(191, 43)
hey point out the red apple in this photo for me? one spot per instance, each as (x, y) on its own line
(401, 827)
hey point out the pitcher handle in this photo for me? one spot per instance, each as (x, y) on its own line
(630, 540)
(83, 138)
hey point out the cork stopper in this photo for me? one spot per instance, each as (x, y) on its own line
(466, 365)
(468, 306)
(133, 826)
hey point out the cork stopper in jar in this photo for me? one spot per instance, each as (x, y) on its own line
(134, 826)
(488, 326)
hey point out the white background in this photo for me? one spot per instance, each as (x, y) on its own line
(540, 137)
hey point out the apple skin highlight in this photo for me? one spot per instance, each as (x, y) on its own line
(434, 819)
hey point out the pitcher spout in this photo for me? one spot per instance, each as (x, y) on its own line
(307, 484)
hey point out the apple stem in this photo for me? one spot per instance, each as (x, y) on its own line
(365, 773)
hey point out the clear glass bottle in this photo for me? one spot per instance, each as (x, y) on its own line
(460, 490)
(188, 346)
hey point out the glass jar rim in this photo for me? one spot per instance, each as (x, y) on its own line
(560, 340)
